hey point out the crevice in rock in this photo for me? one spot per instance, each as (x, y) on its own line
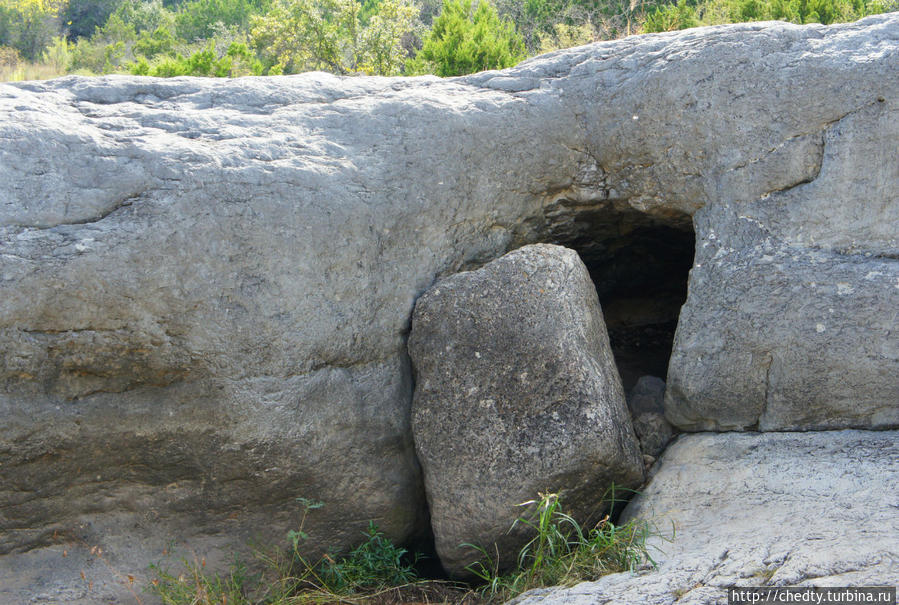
(428, 564)
(113, 207)
(767, 401)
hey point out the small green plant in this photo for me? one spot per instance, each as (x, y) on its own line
(375, 564)
(298, 535)
(562, 553)
(375, 571)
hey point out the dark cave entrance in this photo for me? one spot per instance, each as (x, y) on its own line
(640, 264)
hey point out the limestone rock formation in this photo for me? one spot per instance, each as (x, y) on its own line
(206, 286)
(790, 322)
(516, 394)
(791, 319)
(769, 509)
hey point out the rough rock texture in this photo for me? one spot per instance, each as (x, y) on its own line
(205, 286)
(653, 433)
(791, 321)
(516, 394)
(770, 509)
(646, 404)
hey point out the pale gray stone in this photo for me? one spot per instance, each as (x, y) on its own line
(206, 286)
(516, 394)
(791, 317)
(760, 509)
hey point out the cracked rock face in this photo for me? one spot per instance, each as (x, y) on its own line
(516, 394)
(206, 286)
(791, 320)
(760, 509)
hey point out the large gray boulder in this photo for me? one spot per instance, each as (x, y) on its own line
(206, 286)
(516, 394)
(791, 318)
(770, 509)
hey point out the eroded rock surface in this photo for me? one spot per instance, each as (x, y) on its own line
(769, 509)
(790, 323)
(206, 286)
(516, 394)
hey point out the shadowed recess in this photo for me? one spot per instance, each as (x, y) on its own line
(640, 265)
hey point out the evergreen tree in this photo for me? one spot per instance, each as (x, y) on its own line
(465, 40)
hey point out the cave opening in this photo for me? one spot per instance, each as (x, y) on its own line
(639, 264)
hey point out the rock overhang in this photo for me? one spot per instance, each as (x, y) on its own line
(249, 252)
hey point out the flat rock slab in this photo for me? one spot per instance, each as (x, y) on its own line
(516, 394)
(774, 509)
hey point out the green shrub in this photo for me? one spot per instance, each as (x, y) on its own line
(57, 55)
(83, 17)
(566, 36)
(107, 51)
(673, 17)
(199, 19)
(156, 43)
(375, 564)
(28, 26)
(97, 57)
(330, 35)
(145, 15)
(9, 57)
(236, 61)
(464, 40)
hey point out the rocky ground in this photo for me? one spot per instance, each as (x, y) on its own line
(760, 509)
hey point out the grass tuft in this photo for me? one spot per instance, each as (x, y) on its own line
(376, 572)
(561, 553)
(192, 586)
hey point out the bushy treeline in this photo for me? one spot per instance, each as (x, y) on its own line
(692, 13)
(42, 38)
